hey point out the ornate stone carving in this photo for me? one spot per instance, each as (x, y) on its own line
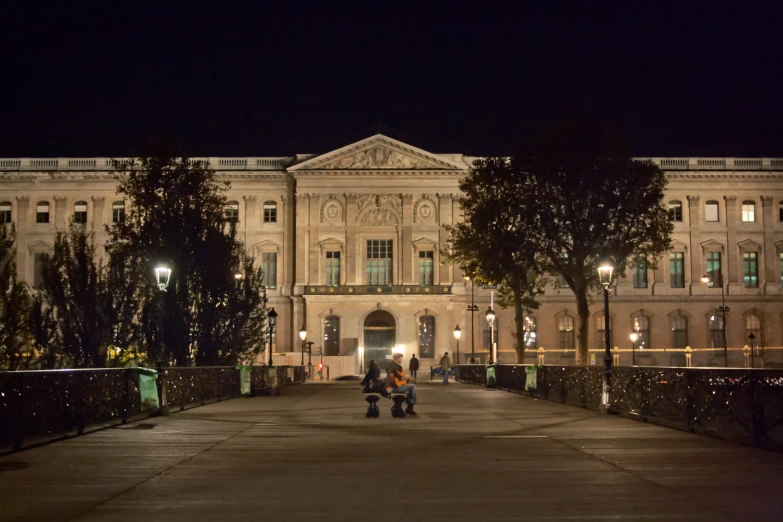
(253, 198)
(407, 199)
(693, 199)
(23, 199)
(391, 200)
(424, 210)
(378, 157)
(379, 217)
(331, 210)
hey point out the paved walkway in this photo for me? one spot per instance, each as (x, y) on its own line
(472, 454)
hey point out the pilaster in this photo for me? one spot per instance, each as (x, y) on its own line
(407, 239)
(771, 284)
(22, 220)
(289, 239)
(302, 218)
(250, 222)
(314, 254)
(351, 250)
(444, 219)
(697, 287)
(732, 252)
(60, 214)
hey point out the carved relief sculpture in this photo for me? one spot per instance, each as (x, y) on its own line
(378, 217)
(424, 209)
(379, 157)
(332, 211)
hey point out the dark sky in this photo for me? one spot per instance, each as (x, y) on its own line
(235, 79)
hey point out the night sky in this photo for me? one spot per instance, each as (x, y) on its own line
(255, 79)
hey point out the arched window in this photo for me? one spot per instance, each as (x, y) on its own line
(270, 212)
(748, 211)
(715, 322)
(711, 212)
(641, 325)
(753, 326)
(5, 212)
(80, 212)
(426, 337)
(565, 333)
(42, 212)
(600, 331)
(332, 335)
(118, 212)
(675, 210)
(679, 324)
(530, 333)
(232, 211)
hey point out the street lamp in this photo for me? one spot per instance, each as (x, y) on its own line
(272, 316)
(162, 278)
(457, 335)
(303, 336)
(723, 309)
(491, 321)
(605, 278)
(634, 336)
(472, 309)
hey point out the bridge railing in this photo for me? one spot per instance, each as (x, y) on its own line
(744, 405)
(39, 406)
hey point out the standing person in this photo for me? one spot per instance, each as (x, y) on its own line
(413, 366)
(445, 365)
(396, 382)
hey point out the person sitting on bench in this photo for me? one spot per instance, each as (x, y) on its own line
(396, 382)
(372, 381)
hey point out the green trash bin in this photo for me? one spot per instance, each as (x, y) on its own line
(530, 378)
(148, 389)
(491, 381)
(244, 379)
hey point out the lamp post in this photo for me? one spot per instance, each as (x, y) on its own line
(634, 336)
(605, 278)
(491, 321)
(723, 309)
(303, 336)
(162, 278)
(457, 335)
(310, 353)
(472, 309)
(272, 317)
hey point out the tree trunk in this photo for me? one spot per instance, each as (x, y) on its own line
(519, 320)
(583, 309)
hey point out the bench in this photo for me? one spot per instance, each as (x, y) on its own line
(372, 398)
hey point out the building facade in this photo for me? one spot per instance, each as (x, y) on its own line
(350, 241)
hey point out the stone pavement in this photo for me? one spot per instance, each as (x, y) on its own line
(310, 454)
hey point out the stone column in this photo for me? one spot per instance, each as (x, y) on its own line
(444, 218)
(98, 220)
(732, 252)
(250, 223)
(22, 226)
(302, 202)
(351, 250)
(289, 239)
(60, 212)
(697, 287)
(770, 253)
(407, 239)
(314, 254)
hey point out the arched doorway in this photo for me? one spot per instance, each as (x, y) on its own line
(379, 337)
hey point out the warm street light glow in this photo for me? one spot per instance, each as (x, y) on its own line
(237, 276)
(457, 333)
(303, 333)
(705, 279)
(490, 316)
(634, 336)
(162, 276)
(605, 273)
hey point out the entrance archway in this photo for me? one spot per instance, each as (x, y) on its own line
(380, 333)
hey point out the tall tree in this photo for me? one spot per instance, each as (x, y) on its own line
(591, 201)
(177, 218)
(493, 243)
(15, 305)
(74, 291)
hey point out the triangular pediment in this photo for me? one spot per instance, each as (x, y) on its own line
(379, 152)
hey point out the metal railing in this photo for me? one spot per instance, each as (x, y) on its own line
(744, 405)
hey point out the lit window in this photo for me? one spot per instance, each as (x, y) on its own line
(565, 333)
(269, 266)
(675, 210)
(641, 325)
(80, 212)
(425, 267)
(711, 213)
(716, 330)
(714, 270)
(679, 331)
(677, 269)
(42, 212)
(232, 211)
(748, 212)
(379, 262)
(270, 212)
(5, 212)
(600, 331)
(333, 269)
(426, 337)
(118, 212)
(530, 333)
(750, 266)
(332, 335)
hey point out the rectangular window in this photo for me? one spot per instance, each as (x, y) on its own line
(42, 213)
(333, 269)
(5, 213)
(750, 266)
(711, 212)
(379, 262)
(639, 270)
(38, 262)
(714, 270)
(269, 266)
(118, 212)
(675, 211)
(748, 212)
(426, 258)
(677, 269)
(270, 212)
(80, 213)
